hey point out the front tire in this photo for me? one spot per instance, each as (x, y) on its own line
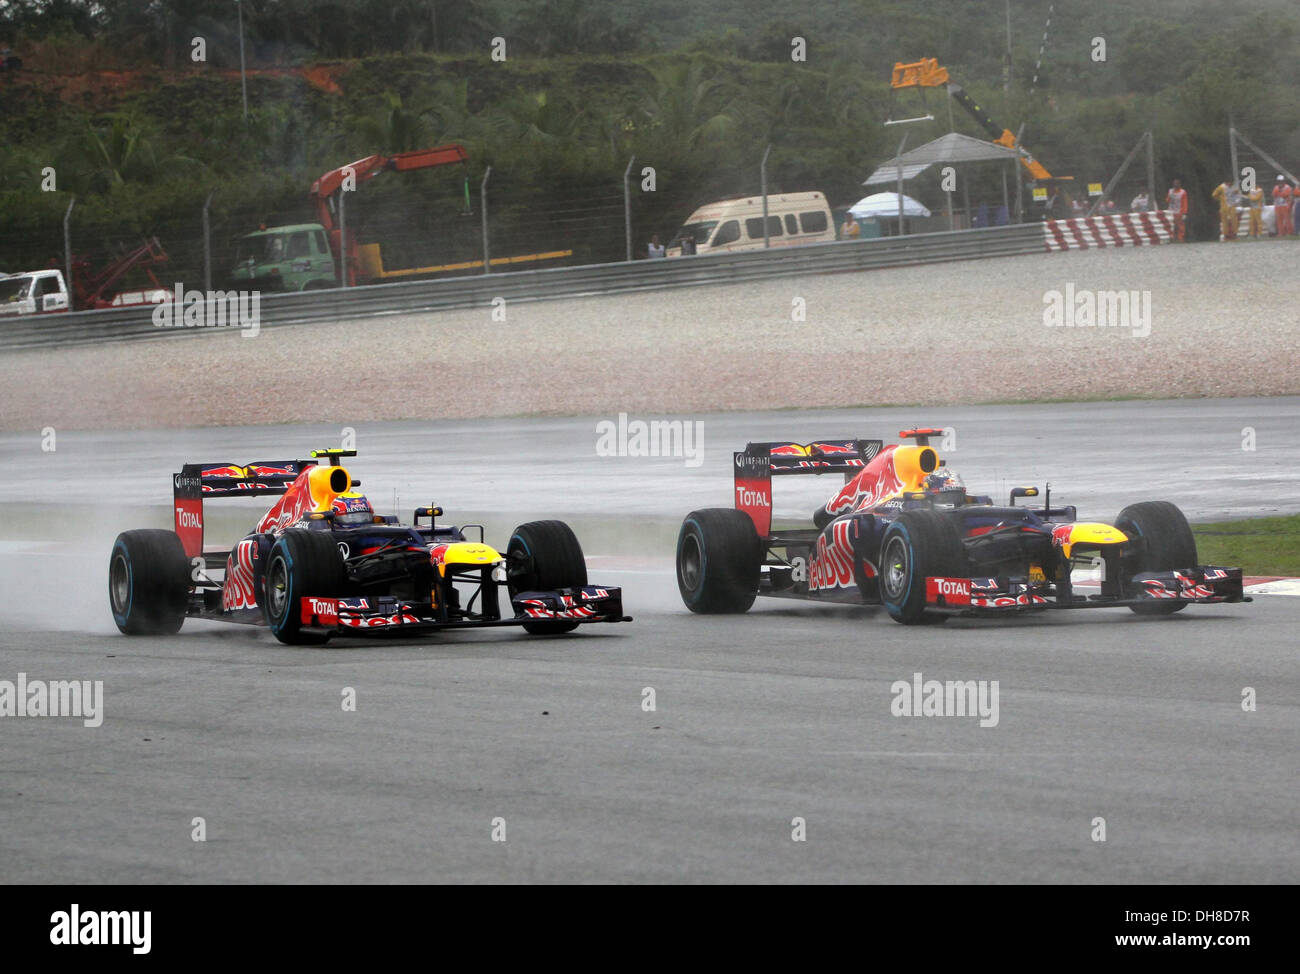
(301, 563)
(1169, 544)
(544, 556)
(917, 545)
(719, 561)
(148, 582)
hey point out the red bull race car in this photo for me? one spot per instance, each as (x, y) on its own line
(322, 563)
(905, 533)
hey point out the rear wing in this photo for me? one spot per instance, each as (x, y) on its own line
(197, 482)
(758, 463)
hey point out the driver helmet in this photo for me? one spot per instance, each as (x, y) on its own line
(942, 480)
(351, 509)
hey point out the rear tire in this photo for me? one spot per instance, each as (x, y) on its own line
(1170, 544)
(917, 545)
(301, 563)
(719, 561)
(544, 556)
(148, 582)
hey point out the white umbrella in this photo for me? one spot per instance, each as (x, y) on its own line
(886, 204)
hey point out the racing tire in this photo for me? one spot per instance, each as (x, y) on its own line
(719, 561)
(1170, 544)
(917, 545)
(550, 558)
(301, 563)
(148, 582)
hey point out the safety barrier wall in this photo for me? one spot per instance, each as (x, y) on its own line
(135, 323)
(1110, 230)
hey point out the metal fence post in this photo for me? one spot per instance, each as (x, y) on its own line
(67, 254)
(482, 195)
(1151, 169)
(901, 143)
(343, 236)
(627, 207)
(1232, 150)
(243, 79)
(207, 246)
(762, 176)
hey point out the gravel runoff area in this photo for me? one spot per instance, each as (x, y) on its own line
(1224, 321)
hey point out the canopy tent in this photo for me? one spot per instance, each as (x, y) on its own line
(950, 148)
(886, 204)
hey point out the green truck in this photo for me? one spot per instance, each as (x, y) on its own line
(289, 258)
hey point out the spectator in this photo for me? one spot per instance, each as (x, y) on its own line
(655, 248)
(1227, 214)
(1255, 199)
(1176, 204)
(1141, 203)
(1282, 203)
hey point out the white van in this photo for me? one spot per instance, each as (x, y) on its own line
(33, 292)
(737, 224)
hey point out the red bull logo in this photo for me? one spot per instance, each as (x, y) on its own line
(238, 592)
(312, 490)
(832, 562)
(877, 481)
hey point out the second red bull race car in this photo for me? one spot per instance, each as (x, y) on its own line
(322, 563)
(903, 532)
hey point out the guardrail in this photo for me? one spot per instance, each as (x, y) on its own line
(134, 323)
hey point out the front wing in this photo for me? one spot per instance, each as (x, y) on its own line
(375, 614)
(1206, 584)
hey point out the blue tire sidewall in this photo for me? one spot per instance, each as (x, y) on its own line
(278, 624)
(897, 528)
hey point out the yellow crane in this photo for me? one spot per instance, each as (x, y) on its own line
(928, 73)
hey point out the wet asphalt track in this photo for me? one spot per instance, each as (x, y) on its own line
(782, 713)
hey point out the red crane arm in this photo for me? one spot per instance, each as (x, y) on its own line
(371, 166)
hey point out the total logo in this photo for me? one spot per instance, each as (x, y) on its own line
(188, 519)
(951, 591)
(746, 497)
(324, 612)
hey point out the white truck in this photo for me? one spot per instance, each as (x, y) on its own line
(32, 292)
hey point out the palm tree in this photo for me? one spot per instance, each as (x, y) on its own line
(688, 108)
(394, 126)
